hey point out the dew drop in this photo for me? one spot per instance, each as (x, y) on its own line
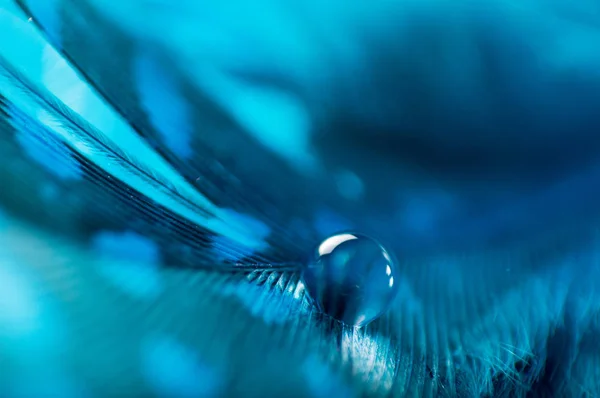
(351, 278)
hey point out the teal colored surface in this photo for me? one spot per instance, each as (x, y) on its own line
(167, 168)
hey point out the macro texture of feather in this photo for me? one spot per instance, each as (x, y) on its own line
(168, 167)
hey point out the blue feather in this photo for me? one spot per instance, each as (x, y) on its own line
(164, 181)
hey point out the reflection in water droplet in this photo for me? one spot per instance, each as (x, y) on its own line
(351, 278)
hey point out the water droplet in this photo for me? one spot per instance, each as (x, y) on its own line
(351, 277)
